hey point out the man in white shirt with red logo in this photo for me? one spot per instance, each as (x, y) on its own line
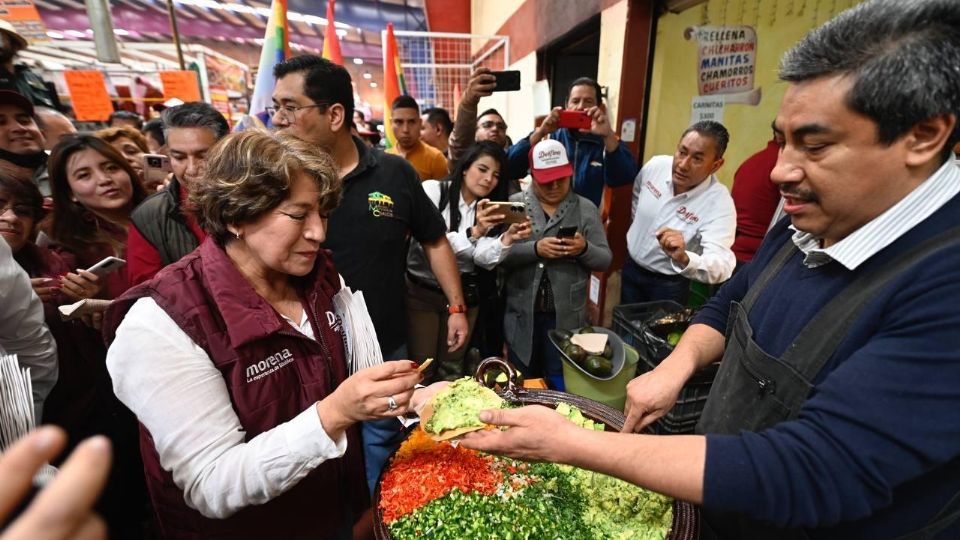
(684, 220)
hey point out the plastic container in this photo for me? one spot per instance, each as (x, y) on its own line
(630, 322)
(613, 392)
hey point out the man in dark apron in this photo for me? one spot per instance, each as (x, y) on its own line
(834, 413)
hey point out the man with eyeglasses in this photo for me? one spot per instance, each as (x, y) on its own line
(599, 158)
(382, 206)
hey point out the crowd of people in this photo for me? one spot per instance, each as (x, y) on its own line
(217, 359)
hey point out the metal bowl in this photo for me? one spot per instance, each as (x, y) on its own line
(686, 516)
(616, 343)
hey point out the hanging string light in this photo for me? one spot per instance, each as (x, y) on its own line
(705, 14)
(756, 13)
(816, 12)
(723, 13)
(803, 7)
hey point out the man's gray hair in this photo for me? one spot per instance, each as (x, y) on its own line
(902, 56)
(195, 115)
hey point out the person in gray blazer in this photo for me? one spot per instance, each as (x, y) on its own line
(547, 275)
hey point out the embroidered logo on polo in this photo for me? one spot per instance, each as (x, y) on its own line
(380, 205)
(652, 189)
(269, 365)
(687, 215)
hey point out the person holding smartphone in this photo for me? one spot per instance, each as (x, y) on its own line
(600, 159)
(548, 273)
(472, 229)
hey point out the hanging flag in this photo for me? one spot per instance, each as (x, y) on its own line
(393, 83)
(276, 49)
(331, 42)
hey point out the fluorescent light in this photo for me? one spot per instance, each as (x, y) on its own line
(54, 35)
(242, 8)
(373, 84)
(358, 61)
(120, 32)
(367, 75)
(75, 33)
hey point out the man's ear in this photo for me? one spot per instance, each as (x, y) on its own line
(925, 140)
(716, 166)
(338, 117)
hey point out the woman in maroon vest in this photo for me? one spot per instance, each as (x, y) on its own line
(233, 358)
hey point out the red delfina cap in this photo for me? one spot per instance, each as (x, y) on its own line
(548, 162)
(9, 97)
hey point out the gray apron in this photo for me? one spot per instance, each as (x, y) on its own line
(754, 390)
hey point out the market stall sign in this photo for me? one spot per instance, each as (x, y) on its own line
(25, 18)
(88, 94)
(182, 85)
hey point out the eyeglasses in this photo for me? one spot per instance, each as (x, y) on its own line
(490, 123)
(289, 112)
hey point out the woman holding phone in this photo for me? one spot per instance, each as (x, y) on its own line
(94, 191)
(548, 274)
(82, 401)
(462, 199)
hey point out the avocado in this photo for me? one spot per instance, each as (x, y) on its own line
(598, 366)
(563, 334)
(575, 353)
(459, 404)
(607, 351)
(587, 330)
(673, 338)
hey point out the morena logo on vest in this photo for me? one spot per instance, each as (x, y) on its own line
(268, 365)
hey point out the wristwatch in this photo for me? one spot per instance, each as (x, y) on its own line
(458, 308)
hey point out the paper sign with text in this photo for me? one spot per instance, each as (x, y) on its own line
(88, 95)
(182, 85)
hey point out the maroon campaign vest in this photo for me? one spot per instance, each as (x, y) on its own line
(273, 373)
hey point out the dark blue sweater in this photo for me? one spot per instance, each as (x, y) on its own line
(875, 451)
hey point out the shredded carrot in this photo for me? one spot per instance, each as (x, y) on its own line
(423, 470)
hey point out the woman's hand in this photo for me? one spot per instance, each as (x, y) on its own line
(577, 244)
(487, 218)
(516, 232)
(382, 391)
(46, 288)
(80, 285)
(557, 248)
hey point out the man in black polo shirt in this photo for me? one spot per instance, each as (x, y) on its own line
(383, 204)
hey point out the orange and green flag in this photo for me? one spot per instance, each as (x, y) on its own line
(331, 42)
(393, 84)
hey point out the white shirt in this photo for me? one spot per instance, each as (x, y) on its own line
(181, 398)
(705, 215)
(884, 229)
(486, 252)
(23, 331)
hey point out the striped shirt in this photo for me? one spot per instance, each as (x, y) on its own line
(884, 229)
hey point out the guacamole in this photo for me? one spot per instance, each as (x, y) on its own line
(459, 405)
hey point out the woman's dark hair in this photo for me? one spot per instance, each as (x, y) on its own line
(25, 193)
(455, 179)
(73, 225)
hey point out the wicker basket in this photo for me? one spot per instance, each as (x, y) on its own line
(686, 516)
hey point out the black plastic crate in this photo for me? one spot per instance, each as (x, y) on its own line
(630, 322)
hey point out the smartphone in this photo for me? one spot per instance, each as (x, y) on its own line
(507, 81)
(513, 212)
(156, 167)
(574, 120)
(567, 232)
(106, 266)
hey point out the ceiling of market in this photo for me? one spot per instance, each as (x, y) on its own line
(236, 28)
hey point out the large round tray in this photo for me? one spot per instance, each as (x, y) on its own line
(686, 516)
